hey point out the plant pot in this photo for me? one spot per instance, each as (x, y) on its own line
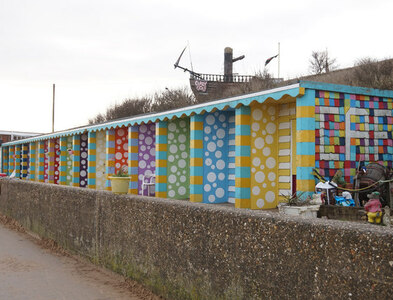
(306, 211)
(119, 184)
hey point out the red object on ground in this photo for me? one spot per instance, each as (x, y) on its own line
(3, 175)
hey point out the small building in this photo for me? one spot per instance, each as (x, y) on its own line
(250, 150)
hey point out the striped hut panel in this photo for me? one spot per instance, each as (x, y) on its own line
(196, 158)
(92, 160)
(285, 115)
(24, 161)
(41, 161)
(11, 159)
(63, 161)
(76, 147)
(100, 163)
(231, 156)
(161, 158)
(133, 151)
(18, 150)
(33, 160)
(242, 159)
(110, 137)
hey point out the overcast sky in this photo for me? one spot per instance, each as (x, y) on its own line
(101, 52)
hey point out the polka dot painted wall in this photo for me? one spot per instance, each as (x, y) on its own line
(83, 161)
(178, 168)
(121, 150)
(215, 165)
(69, 161)
(57, 160)
(264, 156)
(147, 153)
(46, 162)
(100, 160)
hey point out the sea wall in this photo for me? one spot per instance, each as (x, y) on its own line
(184, 250)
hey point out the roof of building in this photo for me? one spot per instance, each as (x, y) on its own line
(283, 94)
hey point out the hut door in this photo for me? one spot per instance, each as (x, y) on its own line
(293, 156)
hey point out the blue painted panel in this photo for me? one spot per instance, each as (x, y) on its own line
(215, 163)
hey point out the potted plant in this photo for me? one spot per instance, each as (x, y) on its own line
(120, 182)
(296, 206)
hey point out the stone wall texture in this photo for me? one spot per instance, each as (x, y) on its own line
(184, 250)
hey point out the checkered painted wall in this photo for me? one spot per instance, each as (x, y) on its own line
(351, 128)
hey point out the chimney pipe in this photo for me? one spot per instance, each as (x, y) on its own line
(228, 62)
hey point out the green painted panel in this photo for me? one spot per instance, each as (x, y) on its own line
(178, 172)
(69, 161)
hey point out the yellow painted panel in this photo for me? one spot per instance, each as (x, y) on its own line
(196, 180)
(305, 112)
(161, 194)
(305, 160)
(196, 161)
(293, 150)
(305, 185)
(284, 159)
(284, 132)
(264, 156)
(161, 163)
(284, 146)
(134, 134)
(161, 147)
(196, 125)
(161, 178)
(243, 119)
(196, 198)
(242, 140)
(243, 182)
(196, 144)
(284, 185)
(306, 136)
(242, 161)
(284, 172)
(242, 203)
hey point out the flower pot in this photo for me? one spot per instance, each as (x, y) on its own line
(119, 184)
(306, 211)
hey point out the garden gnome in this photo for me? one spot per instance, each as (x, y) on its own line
(374, 208)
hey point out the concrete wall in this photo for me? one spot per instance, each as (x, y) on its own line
(184, 250)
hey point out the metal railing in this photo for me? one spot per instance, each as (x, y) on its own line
(222, 78)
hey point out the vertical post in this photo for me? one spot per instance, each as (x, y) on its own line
(278, 61)
(133, 150)
(17, 161)
(63, 161)
(32, 151)
(53, 109)
(11, 160)
(305, 143)
(161, 158)
(91, 159)
(110, 156)
(5, 160)
(41, 161)
(24, 161)
(76, 148)
(51, 161)
(243, 157)
(196, 158)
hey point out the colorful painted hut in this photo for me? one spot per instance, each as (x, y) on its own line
(249, 150)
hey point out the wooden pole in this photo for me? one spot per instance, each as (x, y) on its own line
(279, 57)
(53, 109)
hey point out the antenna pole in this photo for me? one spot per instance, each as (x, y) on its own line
(278, 61)
(53, 109)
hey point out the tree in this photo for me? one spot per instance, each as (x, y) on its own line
(320, 62)
(369, 72)
(160, 101)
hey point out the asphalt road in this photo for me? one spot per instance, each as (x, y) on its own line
(28, 271)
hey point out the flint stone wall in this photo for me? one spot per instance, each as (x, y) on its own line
(183, 250)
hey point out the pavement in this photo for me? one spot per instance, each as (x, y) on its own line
(29, 271)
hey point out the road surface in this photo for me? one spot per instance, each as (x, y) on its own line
(29, 271)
